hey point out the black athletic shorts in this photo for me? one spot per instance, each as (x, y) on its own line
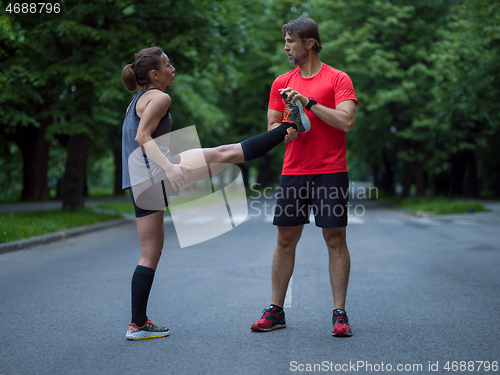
(168, 190)
(327, 195)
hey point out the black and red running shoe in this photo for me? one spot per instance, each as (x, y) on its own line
(294, 113)
(272, 318)
(341, 326)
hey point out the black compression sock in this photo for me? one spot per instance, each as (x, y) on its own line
(263, 143)
(141, 286)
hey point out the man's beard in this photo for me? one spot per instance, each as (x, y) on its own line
(298, 58)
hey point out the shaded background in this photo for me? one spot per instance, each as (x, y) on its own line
(426, 74)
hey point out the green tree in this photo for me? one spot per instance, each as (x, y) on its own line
(260, 61)
(76, 78)
(384, 47)
(468, 61)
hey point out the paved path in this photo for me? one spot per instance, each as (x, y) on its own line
(423, 292)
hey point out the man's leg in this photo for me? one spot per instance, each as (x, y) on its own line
(284, 261)
(339, 264)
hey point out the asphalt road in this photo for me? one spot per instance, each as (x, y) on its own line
(422, 294)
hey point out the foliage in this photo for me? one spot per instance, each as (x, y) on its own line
(74, 88)
(426, 75)
(468, 61)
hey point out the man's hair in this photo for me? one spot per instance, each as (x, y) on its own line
(304, 28)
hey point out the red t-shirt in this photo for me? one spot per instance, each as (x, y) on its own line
(322, 149)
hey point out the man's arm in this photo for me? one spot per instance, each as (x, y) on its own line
(342, 117)
(273, 119)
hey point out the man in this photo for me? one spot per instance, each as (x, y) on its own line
(315, 161)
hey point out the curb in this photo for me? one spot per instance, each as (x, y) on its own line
(56, 236)
(487, 217)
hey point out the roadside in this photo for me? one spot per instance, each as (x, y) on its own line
(474, 218)
(57, 204)
(491, 217)
(59, 235)
(117, 204)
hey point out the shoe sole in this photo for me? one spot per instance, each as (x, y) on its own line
(306, 125)
(277, 326)
(341, 334)
(144, 335)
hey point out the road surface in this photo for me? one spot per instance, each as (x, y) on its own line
(423, 293)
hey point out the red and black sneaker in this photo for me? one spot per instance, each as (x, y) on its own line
(294, 113)
(272, 318)
(341, 326)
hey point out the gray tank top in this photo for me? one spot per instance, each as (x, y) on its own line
(132, 156)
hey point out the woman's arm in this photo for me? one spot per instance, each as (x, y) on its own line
(156, 108)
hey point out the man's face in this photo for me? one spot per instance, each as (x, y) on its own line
(295, 49)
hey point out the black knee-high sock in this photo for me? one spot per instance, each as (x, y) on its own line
(141, 286)
(263, 143)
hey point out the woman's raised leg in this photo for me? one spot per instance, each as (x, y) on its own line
(209, 161)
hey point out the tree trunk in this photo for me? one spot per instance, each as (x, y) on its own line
(267, 176)
(73, 188)
(388, 177)
(376, 176)
(117, 157)
(457, 175)
(471, 189)
(407, 179)
(442, 184)
(245, 175)
(35, 151)
(418, 170)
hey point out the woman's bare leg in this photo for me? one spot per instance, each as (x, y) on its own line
(209, 161)
(151, 236)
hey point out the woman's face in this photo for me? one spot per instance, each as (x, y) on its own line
(166, 73)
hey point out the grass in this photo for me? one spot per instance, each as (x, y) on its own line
(20, 225)
(438, 206)
(125, 207)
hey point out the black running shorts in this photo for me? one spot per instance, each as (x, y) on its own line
(168, 190)
(327, 195)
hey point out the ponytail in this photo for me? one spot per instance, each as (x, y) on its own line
(137, 74)
(128, 77)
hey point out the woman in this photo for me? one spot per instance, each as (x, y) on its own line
(146, 122)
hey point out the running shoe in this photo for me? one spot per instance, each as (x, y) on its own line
(147, 331)
(271, 319)
(341, 326)
(294, 113)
